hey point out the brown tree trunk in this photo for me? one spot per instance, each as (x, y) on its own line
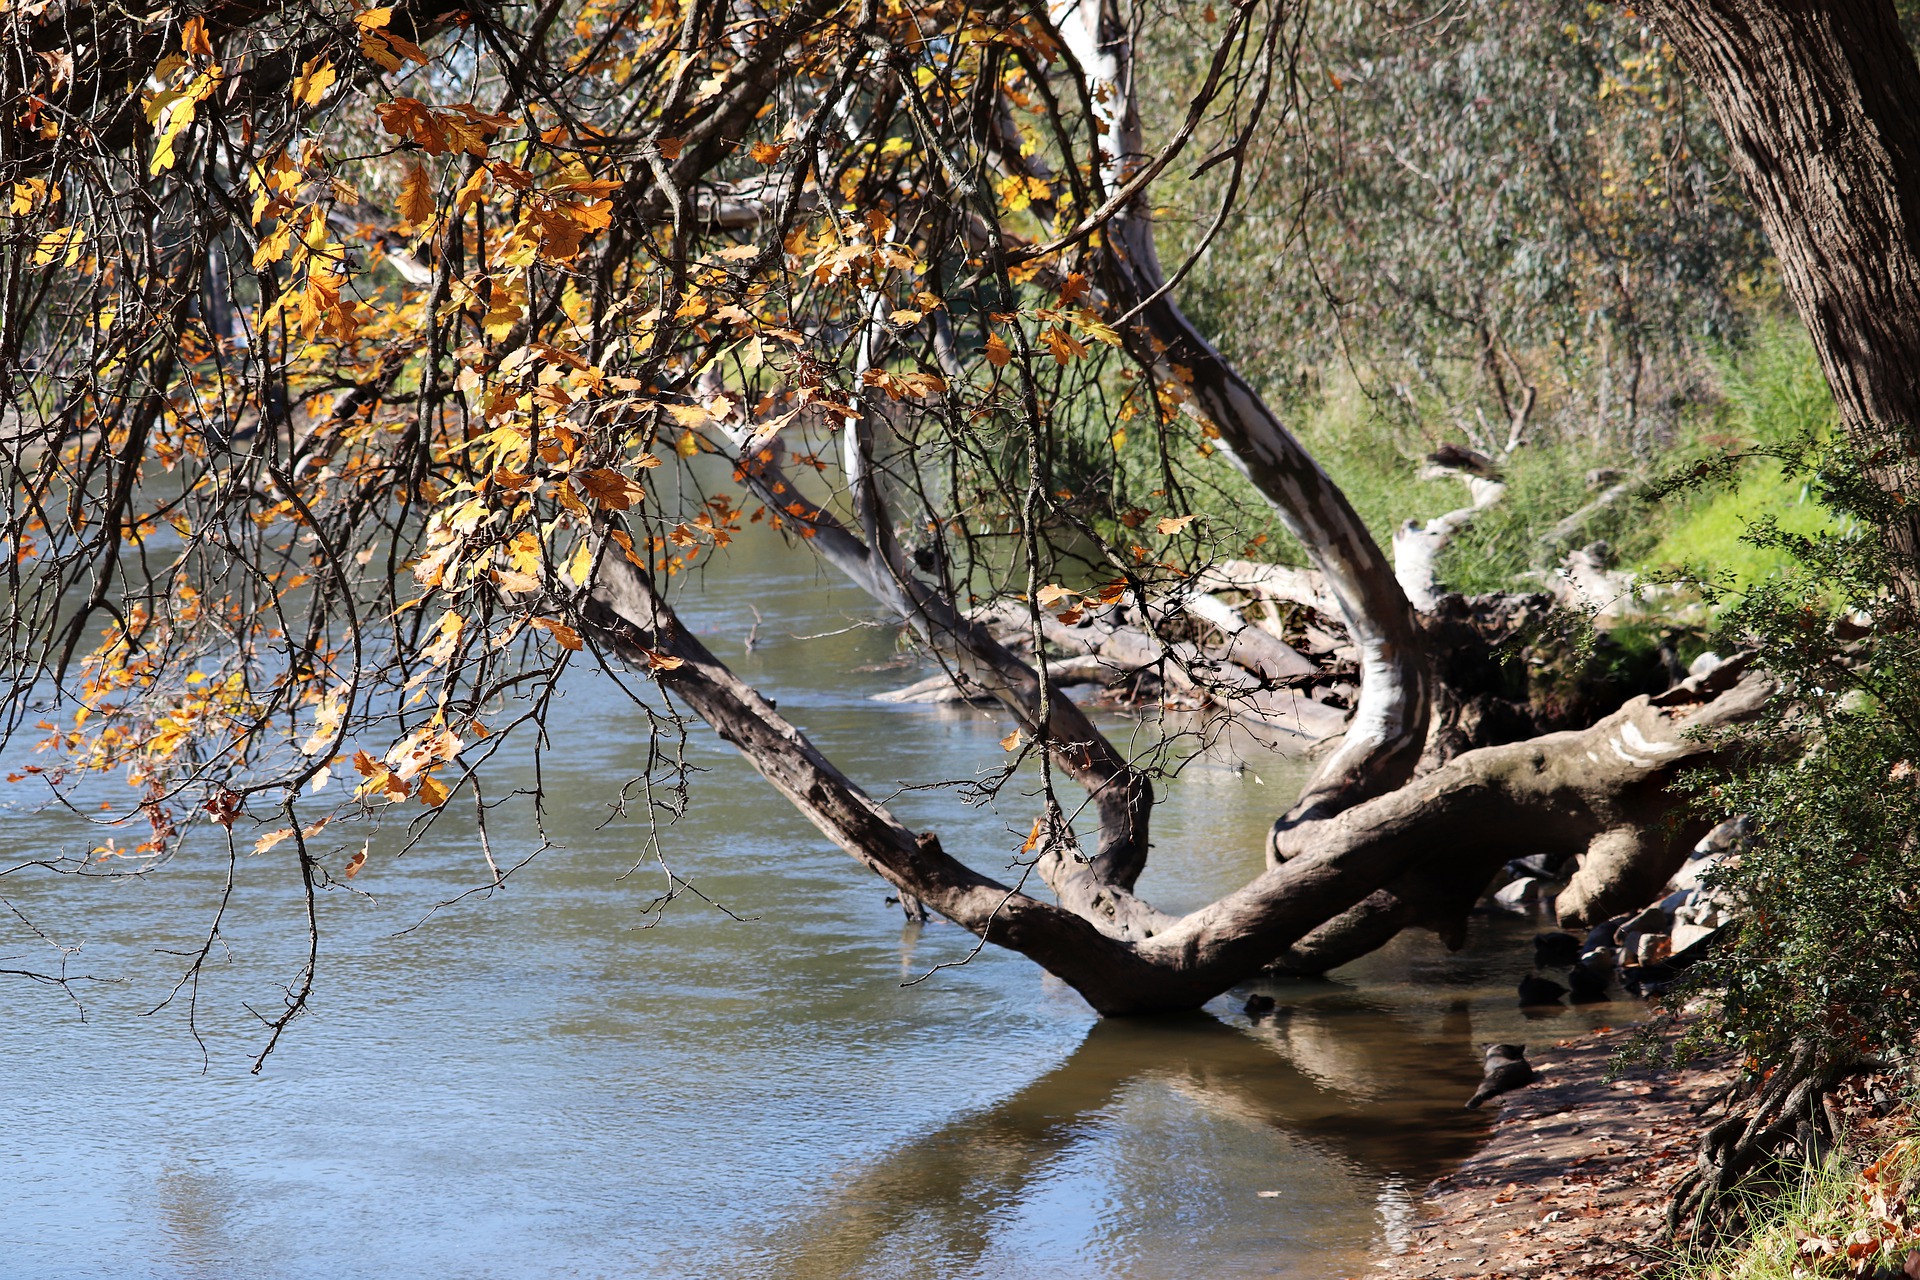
(1821, 107)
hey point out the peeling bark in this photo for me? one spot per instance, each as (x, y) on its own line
(1384, 740)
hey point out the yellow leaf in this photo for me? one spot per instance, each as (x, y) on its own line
(560, 631)
(274, 246)
(580, 568)
(514, 580)
(1173, 524)
(433, 793)
(315, 77)
(1120, 439)
(374, 19)
(663, 661)
(997, 352)
(52, 244)
(1017, 191)
(27, 194)
(689, 415)
(906, 316)
(386, 48)
(1033, 837)
(1051, 594)
(687, 445)
(626, 548)
(1097, 329)
(740, 252)
(193, 38)
(416, 198)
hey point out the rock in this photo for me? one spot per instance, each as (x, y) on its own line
(1604, 933)
(1695, 869)
(1555, 950)
(1648, 980)
(1653, 948)
(1685, 935)
(1601, 959)
(1655, 919)
(1704, 665)
(1731, 834)
(1536, 990)
(1507, 1069)
(1679, 898)
(1542, 865)
(1519, 894)
(1258, 1005)
(1589, 982)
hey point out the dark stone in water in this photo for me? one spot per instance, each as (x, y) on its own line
(1535, 989)
(1648, 979)
(1257, 1005)
(1601, 935)
(1555, 950)
(1589, 982)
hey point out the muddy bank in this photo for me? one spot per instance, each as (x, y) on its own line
(1575, 1179)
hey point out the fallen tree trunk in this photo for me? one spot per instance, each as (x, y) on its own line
(1500, 798)
(1599, 795)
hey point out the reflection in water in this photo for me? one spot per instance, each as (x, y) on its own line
(937, 1204)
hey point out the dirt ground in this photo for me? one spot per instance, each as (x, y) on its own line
(1574, 1181)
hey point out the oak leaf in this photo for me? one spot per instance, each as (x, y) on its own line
(310, 86)
(416, 199)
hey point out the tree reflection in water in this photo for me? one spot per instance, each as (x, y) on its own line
(1370, 1090)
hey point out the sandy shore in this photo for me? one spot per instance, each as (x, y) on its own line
(1574, 1181)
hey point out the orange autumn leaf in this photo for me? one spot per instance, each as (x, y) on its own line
(193, 38)
(1063, 345)
(416, 198)
(998, 353)
(767, 152)
(567, 637)
(1174, 524)
(356, 862)
(608, 488)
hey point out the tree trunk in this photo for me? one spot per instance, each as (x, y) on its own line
(1821, 107)
(1384, 740)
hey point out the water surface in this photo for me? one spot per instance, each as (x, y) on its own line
(553, 1080)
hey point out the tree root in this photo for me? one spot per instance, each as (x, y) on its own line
(1789, 1112)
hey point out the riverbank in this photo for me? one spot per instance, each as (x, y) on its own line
(1574, 1180)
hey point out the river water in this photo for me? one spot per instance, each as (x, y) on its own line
(549, 1080)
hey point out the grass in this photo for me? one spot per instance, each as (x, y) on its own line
(1770, 393)
(1846, 1217)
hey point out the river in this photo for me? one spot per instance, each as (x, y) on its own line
(549, 1080)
